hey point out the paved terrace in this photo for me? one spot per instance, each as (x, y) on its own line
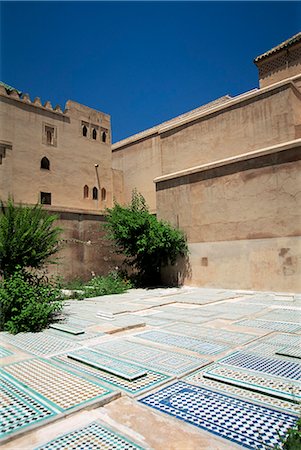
(164, 369)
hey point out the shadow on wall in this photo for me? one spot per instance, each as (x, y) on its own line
(177, 274)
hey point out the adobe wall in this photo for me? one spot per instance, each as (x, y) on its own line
(72, 156)
(140, 163)
(242, 221)
(85, 251)
(247, 123)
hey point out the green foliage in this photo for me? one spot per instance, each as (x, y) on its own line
(28, 302)
(147, 243)
(27, 237)
(292, 440)
(97, 286)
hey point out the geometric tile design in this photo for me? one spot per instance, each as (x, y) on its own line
(284, 315)
(252, 426)
(108, 364)
(150, 380)
(279, 387)
(4, 352)
(62, 388)
(270, 366)
(264, 349)
(18, 408)
(188, 343)
(169, 362)
(294, 352)
(270, 325)
(214, 334)
(39, 343)
(67, 328)
(283, 339)
(73, 337)
(91, 437)
(198, 379)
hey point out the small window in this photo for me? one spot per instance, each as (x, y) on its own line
(45, 198)
(94, 134)
(45, 164)
(86, 191)
(95, 193)
(104, 136)
(85, 131)
(103, 194)
(49, 135)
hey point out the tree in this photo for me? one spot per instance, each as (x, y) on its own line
(28, 237)
(147, 243)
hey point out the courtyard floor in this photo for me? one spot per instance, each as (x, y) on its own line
(164, 369)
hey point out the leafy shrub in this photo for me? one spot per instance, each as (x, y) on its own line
(102, 285)
(28, 302)
(27, 237)
(292, 440)
(147, 243)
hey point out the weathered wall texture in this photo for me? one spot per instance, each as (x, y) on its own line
(85, 251)
(140, 163)
(72, 156)
(242, 221)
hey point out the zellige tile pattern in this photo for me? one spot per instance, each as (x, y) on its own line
(269, 325)
(180, 341)
(94, 436)
(252, 426)
(270, 366)
(62, 388)
(151, 380)
(4, 352)
(19, 408)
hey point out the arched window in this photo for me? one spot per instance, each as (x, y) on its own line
(103, 194)
(104, 136)
(94, 134)
(95, 193)
(85, 131)
(86, 191)
(45, 164)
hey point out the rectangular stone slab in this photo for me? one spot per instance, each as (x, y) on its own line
(108, 364)
(67, 328)
(293, 352)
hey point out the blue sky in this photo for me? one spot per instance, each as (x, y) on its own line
(140, 62)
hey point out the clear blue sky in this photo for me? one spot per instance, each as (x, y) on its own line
(141, 62)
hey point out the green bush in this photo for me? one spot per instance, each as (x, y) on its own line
(292, 440)
(27, 237)
(27, 302)
(147, 243)
(101, 285)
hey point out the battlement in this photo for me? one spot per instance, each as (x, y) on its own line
(71, 107)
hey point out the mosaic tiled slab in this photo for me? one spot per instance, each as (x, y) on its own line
(266, 350)
(75, 337)
(270, 325)
(293, 352)
(59, 387)
(283, 315)
(188, 343)
(279, 387)
(152, 358)
(270, 366)
(19, 408)
(108, 364)
(4, 352)
(252, 426)
(214, 334)
(65, 327)
(94, 436)
(40, 343)
(150, 380)
(198, 379)
(283, 339)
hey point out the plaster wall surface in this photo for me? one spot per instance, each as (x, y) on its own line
(140, 164)
(72, 157)
(243, 228)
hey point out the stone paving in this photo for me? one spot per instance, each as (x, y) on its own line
(176, 368)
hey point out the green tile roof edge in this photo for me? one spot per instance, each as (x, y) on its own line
(292, 40)
(10, 88)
